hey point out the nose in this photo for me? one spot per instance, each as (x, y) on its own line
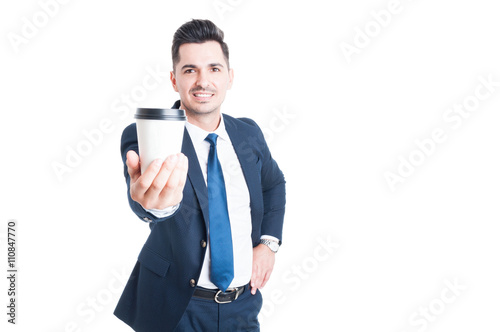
(202, 80)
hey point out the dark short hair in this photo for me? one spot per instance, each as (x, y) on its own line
(198, 31)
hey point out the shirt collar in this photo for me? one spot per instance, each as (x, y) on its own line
(198, 135)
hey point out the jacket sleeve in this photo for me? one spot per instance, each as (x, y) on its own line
(273, 187)
(129, 142)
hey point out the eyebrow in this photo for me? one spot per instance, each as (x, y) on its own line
(216, 64)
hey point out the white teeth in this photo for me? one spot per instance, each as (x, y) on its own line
(202, 95)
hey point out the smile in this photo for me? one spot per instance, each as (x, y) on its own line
(203, 95)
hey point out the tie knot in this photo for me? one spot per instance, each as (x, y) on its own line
(212, 139)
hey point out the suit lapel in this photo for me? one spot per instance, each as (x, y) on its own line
(195, 176)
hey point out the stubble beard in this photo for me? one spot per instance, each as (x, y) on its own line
(199, 113)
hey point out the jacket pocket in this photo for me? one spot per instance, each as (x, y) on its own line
(153, 261)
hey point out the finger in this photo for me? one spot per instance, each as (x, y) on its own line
(180, 176)
(162, 177)
(133, 166)
(252, 282)
(177, 178)
(255, 281)
(183, 166)
(252, 285)
(255, 284)
(143, 183)
(265, 279)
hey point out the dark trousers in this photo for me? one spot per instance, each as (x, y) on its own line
(209, 316)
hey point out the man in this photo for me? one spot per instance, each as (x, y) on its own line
(215, 210)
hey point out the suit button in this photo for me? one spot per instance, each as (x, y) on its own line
(203, 243)
(146, 219)
(192, 283)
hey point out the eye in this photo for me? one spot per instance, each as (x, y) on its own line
(188, 71)
(216, 69)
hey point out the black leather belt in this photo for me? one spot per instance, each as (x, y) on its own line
(219, 296)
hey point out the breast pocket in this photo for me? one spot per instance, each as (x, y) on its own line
(153, 261)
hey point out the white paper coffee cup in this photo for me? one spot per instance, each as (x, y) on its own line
(159, 132)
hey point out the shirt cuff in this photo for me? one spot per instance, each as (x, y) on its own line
(269, 237)
(166, 212)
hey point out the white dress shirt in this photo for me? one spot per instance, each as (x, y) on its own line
(238, 203)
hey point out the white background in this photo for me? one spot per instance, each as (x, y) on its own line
(347, 123)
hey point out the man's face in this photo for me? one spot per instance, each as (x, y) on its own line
(201, 77)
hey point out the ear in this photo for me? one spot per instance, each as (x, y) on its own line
(231, 77)
(174, 81)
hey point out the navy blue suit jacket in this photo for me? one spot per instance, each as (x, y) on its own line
(169, 265)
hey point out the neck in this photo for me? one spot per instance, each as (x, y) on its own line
(208, 122)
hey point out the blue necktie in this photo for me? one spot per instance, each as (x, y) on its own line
(221, 244)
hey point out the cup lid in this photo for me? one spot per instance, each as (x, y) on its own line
(160, 114)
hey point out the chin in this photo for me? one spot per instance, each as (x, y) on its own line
(202, 110)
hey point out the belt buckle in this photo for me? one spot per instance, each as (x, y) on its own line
(216, 298)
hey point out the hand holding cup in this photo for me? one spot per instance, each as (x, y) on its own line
(161, 184)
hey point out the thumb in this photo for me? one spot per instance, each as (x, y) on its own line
(133, 165)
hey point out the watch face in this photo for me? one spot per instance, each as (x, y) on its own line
(274, 246)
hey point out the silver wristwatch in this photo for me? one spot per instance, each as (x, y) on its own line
(273, 245)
